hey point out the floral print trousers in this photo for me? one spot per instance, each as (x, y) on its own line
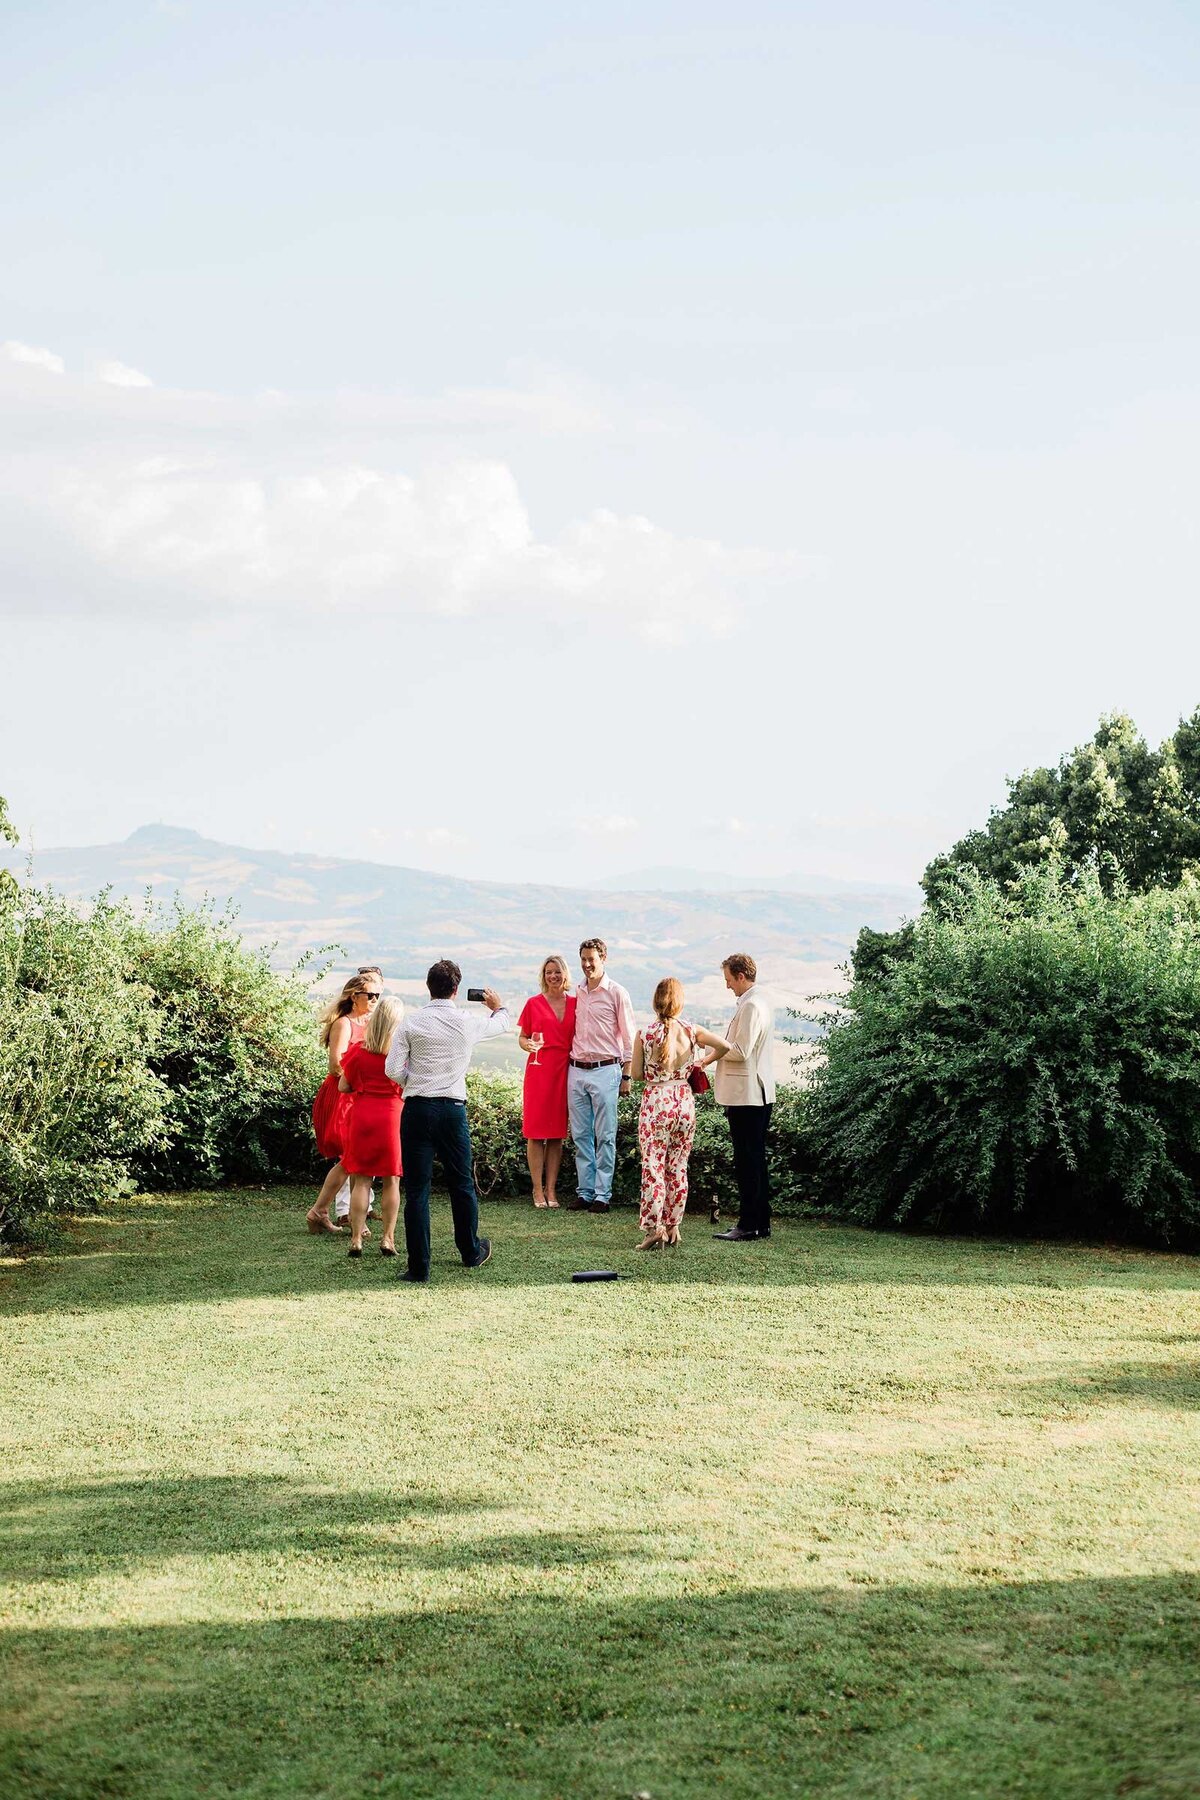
(666, 1127)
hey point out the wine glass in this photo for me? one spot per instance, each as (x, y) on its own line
(537, 1039)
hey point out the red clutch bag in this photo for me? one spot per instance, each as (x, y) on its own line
(698, 1081)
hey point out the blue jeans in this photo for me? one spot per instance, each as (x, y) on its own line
(592, 1096)
(430, 1128)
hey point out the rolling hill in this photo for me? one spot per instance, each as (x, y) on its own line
(405, 918)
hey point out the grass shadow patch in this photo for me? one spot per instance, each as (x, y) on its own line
(1063, 1688)
(167, 1250)
(1175, 1385)
(74, 1531)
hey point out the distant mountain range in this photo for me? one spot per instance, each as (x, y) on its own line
(405, 918)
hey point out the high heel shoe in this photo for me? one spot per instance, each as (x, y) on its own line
(318, 1224)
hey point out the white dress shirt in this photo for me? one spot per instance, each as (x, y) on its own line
(432, 1047)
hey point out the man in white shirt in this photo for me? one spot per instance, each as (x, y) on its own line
(597, 1076)
(744, 1084)
(428, 1057)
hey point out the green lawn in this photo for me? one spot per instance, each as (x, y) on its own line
(837, 1515)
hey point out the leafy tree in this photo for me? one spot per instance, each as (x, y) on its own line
(1113, 805)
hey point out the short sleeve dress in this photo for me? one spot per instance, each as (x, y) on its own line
(330, 1107)
(372, 1133)
(544, 1110)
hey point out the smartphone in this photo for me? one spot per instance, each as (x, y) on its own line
(475, 994)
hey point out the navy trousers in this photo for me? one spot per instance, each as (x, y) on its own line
(748, 1127)
(430, 1128)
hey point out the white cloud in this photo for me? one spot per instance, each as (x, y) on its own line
(35, 357)
(166, 501)
(119, 374)
(455, 538)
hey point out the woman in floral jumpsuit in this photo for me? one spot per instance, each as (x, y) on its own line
(664, 1055)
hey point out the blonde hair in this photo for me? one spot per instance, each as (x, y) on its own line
(382, 1027)
(337, 1009)
(562, 963)
(668, 1004)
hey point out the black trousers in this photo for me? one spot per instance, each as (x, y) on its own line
(430, 1128)
(748, 1127)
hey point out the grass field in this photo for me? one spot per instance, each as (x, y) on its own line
(837, 1515)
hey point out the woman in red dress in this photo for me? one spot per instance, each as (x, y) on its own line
(547, 1025)
(372, 1135)
(342, 1023)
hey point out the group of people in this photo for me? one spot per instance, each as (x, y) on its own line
(395, 1098)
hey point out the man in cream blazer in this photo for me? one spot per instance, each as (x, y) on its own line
(744, 1084)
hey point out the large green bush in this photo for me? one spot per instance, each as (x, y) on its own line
(79, 1101)
(236, 1049)
(1034, 1062)
(142, 1048)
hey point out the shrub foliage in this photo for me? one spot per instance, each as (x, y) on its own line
(79, 1102)
(141, 1048)
(500, 1169)
(235, 1047)
(1033, 1060)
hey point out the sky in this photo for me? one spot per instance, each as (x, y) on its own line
(544, 441)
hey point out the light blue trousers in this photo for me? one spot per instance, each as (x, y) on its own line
(592, 1096)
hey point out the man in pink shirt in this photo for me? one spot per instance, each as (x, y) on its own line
(597, 1075)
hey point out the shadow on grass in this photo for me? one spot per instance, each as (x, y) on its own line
(74, 1532)
(1175, 1385)
(1063, 1689)
(165, 1250)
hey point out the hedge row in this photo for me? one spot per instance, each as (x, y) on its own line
(500, 1168)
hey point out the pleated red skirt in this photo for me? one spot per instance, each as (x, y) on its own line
(329, 1118)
